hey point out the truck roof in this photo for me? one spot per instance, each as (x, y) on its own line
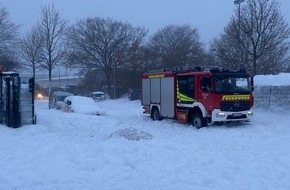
(196, 71)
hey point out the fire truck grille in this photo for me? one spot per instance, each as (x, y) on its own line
(235, 106)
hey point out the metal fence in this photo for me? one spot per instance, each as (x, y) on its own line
(272, 97)
(17, 100)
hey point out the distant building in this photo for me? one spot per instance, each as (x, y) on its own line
(60, 82)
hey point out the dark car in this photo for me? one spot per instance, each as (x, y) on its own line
(56, 100)
(98, 96)
(134, 94)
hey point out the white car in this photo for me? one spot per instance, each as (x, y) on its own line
(56, 101)
(82, 104)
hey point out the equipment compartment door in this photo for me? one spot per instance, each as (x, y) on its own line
(155, 91)
(167, 97)
(145, 91)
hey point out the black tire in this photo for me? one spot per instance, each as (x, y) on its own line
(155, 115)
(198, 121)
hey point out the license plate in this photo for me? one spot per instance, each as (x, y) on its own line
(237, 114)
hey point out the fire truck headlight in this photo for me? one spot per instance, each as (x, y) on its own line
(220, 115)
(250, 113)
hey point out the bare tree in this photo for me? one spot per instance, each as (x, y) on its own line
(103, 44)
(52, 27)
(129, 74)
(257, 39)
(30, 47)
(8, 39)
(176, 46)
(91, 81)
(8, 60)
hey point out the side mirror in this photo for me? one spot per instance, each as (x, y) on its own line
(68, 102)
(252, 84)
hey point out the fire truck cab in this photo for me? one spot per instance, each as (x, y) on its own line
(199, 96)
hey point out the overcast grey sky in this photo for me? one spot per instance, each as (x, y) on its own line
(209, 16)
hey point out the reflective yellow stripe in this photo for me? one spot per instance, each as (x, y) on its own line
(182, 97)
(236, 97)
(155, 76)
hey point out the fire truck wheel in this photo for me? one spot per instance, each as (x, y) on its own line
(155, 114)
(197, 120)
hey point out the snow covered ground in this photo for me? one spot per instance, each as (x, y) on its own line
(127, 150)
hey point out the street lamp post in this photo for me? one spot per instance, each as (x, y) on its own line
(58, 75)
(114, 80)
(238, 2)
(66, 75)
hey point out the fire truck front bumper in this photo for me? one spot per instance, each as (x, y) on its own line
(218, 115)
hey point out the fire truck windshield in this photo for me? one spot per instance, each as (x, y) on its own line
(232, 85)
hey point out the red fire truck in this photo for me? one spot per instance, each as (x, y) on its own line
(199, 96)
